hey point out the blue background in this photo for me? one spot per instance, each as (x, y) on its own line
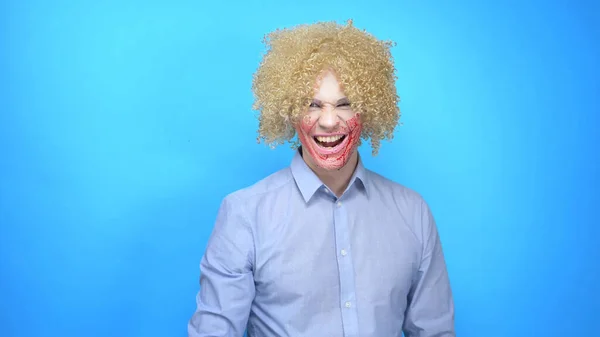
(124, 124)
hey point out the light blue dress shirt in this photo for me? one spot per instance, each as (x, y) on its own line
(289, 258)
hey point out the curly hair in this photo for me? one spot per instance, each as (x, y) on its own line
(295, 57)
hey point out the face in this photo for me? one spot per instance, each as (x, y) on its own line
(329, 130)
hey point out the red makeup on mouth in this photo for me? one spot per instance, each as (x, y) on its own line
(331, 150)
(329, 140)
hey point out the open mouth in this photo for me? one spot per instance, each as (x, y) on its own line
(329, 141)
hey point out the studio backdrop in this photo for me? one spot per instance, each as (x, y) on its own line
(123, 124)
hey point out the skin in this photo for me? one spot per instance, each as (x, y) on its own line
(329, 114)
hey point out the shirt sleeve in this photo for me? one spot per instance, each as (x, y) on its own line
(430, 310)
(226, 276)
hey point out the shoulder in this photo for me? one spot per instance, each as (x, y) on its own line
(407, 204)
(269, 187)
(239, 209)
(392, 189)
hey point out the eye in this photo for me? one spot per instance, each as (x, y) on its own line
(344, 106)
(314, 105)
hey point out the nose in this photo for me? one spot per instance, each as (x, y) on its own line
(329, 119)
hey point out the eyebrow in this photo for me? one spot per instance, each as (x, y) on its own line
(342, 100)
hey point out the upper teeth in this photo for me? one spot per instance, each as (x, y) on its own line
(328, 139)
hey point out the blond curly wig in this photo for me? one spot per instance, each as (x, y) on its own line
(285, 81)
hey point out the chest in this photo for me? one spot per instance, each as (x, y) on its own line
(313, 255)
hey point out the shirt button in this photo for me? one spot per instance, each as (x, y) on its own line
(339, 204)
(343, 252)
(348, 304)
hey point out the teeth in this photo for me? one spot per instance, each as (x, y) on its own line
(328, 139)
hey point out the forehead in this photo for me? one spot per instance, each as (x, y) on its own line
(328, 88)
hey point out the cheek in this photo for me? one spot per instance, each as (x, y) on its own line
(347, 115)
(354, 124)
(307, 124)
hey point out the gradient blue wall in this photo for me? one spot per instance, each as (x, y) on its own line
(123, 124)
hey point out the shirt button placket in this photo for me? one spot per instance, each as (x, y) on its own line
(346, 270)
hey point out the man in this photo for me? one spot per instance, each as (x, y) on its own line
(324, 247)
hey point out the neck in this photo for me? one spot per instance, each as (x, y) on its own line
(337, 180)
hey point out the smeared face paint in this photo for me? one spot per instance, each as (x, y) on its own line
(329, 130)
(330, 150)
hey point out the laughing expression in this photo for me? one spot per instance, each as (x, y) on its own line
(330, 130)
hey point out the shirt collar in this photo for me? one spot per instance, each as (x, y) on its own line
(308, 183)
